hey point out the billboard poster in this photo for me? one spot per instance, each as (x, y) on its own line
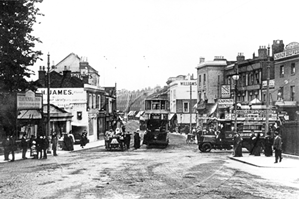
(62, 97)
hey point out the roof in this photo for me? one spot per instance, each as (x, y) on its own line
(212, 63)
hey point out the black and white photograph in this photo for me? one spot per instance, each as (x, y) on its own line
(149, 99)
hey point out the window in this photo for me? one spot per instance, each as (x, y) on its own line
(251, 79)
(199, 80)
(293, 69)
(94, 101)
(256, 77)
(280, 94)
(185, 107)
(229, 80)
(99, 101)
(292, 93)
(204, 79)
(281, 71)
(90, 101)
(244, 80)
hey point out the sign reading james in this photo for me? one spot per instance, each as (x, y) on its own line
(290, 50)
(225, 91)
(62, 97)
(29, 100)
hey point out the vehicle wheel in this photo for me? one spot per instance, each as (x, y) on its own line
(206, 147)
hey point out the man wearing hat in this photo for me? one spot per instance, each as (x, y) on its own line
(277, 145)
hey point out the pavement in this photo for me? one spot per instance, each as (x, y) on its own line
(77, 147)
(288, 161)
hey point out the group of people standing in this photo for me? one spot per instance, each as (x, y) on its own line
(256, 145)
(37, 146)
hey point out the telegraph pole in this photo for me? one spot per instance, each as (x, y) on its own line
(190, 107)
(48, 96)
(268, 92)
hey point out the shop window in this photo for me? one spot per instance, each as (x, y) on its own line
(185, 107)
(281, 71)
(293, 69)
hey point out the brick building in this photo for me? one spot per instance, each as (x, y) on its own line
(287, 78)
(74, 87)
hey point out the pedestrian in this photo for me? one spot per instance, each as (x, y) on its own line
(83, 139)
(252, 136)
(277, 145)
(127, 139)
(32, 138)
(39, 147)
(5, 145)
(45, 146)
(12, 147)
(256, 145)
(268, 145)
(54, 142)
(24, 146)
(237, 145)
(137, 141)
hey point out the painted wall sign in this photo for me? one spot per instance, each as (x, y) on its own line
(29, 100)
(271, 84)
(187, 83)
(62, 97)
(290, 50)
(225, 91)
(225, 101)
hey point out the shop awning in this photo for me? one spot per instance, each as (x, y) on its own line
(209, 109)
(29, 114)
(171, 116)
(78, 124)
(140, 113)
(255, 101)
(131, 113)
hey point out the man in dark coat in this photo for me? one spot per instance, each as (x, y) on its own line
(54, 142)
(24, 146)
(5, 145)
(12, 147)
(137, 140)
(277, 145)
(45, 146)
(39, 147)
(127, 139)
(268, 145)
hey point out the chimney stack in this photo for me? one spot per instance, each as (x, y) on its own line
(240, 57)
(202, 59)
(262, 52)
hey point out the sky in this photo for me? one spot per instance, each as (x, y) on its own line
(141, 43)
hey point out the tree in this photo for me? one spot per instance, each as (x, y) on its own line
(17, 44)
(17, 53)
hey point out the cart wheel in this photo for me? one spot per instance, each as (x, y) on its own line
(206, 147)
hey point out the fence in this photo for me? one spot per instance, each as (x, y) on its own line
(290, 137)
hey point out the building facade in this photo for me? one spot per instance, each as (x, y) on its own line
(287, 79)
(183, 97)
(76, 89)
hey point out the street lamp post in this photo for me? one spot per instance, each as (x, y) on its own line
(235, 78)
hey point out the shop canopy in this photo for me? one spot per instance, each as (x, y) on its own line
(140, 113)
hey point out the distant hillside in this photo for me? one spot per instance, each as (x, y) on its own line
(134, 99)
